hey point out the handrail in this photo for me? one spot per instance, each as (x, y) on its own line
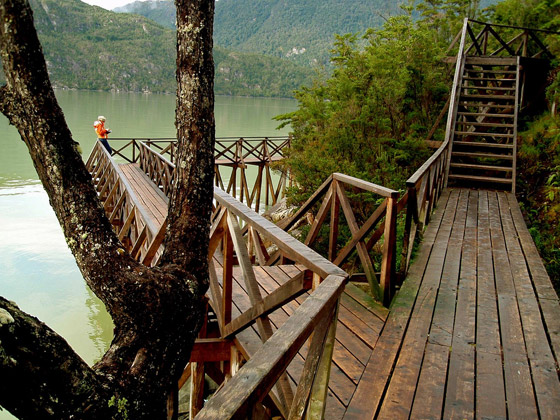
(455, 91)
(499, 25)
(125, 210)
(317, 313)
(233, 156)
(518, 45)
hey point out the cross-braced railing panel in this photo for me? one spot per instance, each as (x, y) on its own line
(245, 315)
(242, 165)
(140, 236)
(494, 40)
(377, 227)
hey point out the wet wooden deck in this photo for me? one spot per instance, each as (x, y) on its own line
(360, 318)
(474, 331)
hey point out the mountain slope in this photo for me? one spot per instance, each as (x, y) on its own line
(301, 31)
(160, 11)
(87, 47)
(292, 28)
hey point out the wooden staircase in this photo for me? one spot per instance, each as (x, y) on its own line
(485, 131)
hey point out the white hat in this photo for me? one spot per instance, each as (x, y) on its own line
(101, 118)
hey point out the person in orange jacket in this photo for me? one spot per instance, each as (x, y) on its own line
(102, 132)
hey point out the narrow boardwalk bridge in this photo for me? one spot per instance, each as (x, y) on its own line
(471, 329)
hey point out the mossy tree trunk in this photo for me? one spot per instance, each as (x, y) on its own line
(157, 311)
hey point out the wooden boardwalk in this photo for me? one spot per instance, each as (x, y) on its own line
(360, 318)
(474, 331)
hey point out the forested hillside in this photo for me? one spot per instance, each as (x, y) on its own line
(88, 47)
(160, 11)
(299, 30)
(370, 118)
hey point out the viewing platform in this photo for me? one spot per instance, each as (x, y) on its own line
(470, 326)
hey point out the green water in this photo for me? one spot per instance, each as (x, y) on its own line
(37, 270)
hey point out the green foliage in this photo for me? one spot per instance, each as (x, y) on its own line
(121, 405)
(539, 188)
(370, 117)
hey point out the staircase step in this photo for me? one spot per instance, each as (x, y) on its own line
(482, 134)
(481, 124)
(491, 61)
(501, 97)
(482, 144)
(482, 114)
(496, 88)
(482, 155)
(486, 105)
(480, 178)
(487, 79)
(481, 167)
(496, 71)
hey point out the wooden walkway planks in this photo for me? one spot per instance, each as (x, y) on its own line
(360, 318)
(474, 331)
(151, 197)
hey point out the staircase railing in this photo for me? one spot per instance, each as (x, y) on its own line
(494, 40)
(454, 95)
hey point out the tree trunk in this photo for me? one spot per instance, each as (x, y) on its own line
(156, 311)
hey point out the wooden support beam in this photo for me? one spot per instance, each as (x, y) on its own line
(262, 371)
(211, 350)
(309, 371)
(389, 251)
(318, 397)
(290, 290)
(227, 250)
(197, 388)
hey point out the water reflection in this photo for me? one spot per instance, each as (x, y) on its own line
(40, 274)
(37, 270)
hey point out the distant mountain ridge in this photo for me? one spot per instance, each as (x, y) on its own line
(88, 47)
(301, 31)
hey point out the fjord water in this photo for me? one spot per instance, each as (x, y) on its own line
(37, 270)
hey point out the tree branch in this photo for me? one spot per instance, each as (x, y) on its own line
(37, 363)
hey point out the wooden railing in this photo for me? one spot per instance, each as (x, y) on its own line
(243, 326)
(237, 160)
(494, 40)
(269, 368)
(138, 234)
(380, 223)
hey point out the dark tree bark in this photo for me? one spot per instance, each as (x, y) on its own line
(157, 311)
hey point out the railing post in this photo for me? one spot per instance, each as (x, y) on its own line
(408, 236)
(318, 397)
(333, 230)
(227, 250)
(389, 250)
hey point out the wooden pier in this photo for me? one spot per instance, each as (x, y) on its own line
(471, 328)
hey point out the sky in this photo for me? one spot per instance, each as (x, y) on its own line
(108, 4)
